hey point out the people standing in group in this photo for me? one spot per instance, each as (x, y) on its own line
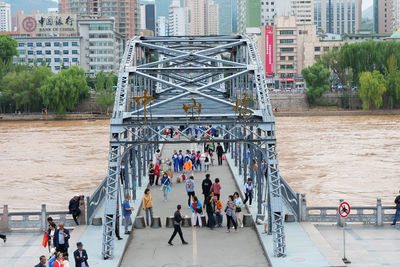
(42, 261)
(217, 208)
(61, 238)
(74, 207)
(206, 160)
(197, 164)
(180, 160)
(210, 209)
(157, 172)
(177, 226)
(189, 185)
(196, 211)
(80, 256)
(151, 167)
(206, 186)
(175, 161)
(193, 159)
(165, 185)
(148, 205)
(216, 188)
(50, 234)
(397, 202)
(158, 157)
(187, 166)
(220, 153)
(126, 213)
(230, 214)
(59, 260)
(248, 191)
(238, 210)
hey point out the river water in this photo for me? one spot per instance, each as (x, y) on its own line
(328, 158)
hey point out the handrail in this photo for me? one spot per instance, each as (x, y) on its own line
(94, 201)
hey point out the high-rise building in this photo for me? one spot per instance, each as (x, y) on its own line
(395, 15)
(161, 26)
(212, 19)
(271, 9)
(337, 16)
(234, 15)
(178, 23)
(198, 16)
(150, 17)
(125, 12)
(383, 16)
(248, 14)
(225, 16)
(5, 17)
(304, 11)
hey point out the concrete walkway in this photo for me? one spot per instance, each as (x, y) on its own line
(148, 247)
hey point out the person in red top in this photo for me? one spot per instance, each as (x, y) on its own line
(59, 260)
(216, 188)
(157, 172)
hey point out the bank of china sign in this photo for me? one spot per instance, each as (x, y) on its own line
(52, 24)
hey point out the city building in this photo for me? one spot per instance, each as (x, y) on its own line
(271, 9)
(147, 16)
(248, 14)
(162, 8)
(395, 15)
(178, 23)
(234, 15)
(383, 20)
(5, 17)
(303, 11)
(337, 16)
(125, 12)
(225, 16)
(213, 18)
(198, 16)
(94, 46)
(161, 26)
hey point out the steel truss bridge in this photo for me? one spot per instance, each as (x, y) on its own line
(222, 73)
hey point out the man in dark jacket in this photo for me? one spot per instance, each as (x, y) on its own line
(42, 262)
(220, 152)
(177, 226)
(206, 185)
(74, 207)
(210, 208)
(396, 216)
(61, 237)
(80, 256)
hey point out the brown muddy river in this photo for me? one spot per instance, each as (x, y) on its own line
(328, 158)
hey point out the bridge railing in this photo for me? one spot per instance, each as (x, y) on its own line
(291, 197)
(95, 200)
(377, 215)
(32, 220)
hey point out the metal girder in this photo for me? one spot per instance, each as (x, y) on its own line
(217, 70)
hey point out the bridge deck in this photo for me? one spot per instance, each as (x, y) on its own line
(149, 247)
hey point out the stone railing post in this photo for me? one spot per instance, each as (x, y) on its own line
(87, 209)
(379, 212)
(4, 220)
(303, 209)
(82, 216)
(43, 218)
(340, 220)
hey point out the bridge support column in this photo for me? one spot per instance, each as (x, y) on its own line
(4, 220)
(43, 218)
(379, 213)
(139, 156)
(133, 172)
(303, 209)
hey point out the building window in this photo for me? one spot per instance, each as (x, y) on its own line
(48, 44)
(66, 59)
(291, 57)
(48, 52)
(56, 43)
(287, 49)
(30, 52)
(21, 44)
(38, 44)
(326, 49)
(57, 67)
(74, 59)
(65, 43)
(22, 52)
(317, 57)
(56, 52)
(40, 59)
(39, 52)
(286, 32)
(286, 41)
(48, 60)
(56, 59)
(74, 43)
(317, 49)
(65, 52)
(282, 58)
(30, 44)
(74, 52)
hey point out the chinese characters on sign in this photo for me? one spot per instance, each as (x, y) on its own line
(62, 24)
(241, 107)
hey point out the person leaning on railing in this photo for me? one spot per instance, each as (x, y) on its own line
(396, 216)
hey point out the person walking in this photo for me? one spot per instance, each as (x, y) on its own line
(230, 214)
(80, 256)
(177, 226)
(210, 208)
(148, 205)
(4, 237)
(248, 190)
(151, 169)
(197, 164)
(238, 211)
(50, 234)
(217, 208)
(206, 161)
(187, 166)
(74, 207)
(396, 216)
(196, 211)
(206, 186)
(216, 188)
(127, 212)
(157, 172)
(61, 238)
(189, 185)
(175, 160)
(165, 185)
(220, 152)
(42, 261)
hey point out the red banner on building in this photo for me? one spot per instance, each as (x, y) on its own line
(269, 49)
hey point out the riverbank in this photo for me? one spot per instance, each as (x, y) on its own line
(53, 117)
(336, 112)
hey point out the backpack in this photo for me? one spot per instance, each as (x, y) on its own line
(189, 184)
(206, 159)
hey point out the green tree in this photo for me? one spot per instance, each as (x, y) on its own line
(100, 81)
(62, 92)
(105, 98)
(317, 81)
(8, 48)
(392, 82)
(372, 87)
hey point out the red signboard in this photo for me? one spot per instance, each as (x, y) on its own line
(269, 49)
